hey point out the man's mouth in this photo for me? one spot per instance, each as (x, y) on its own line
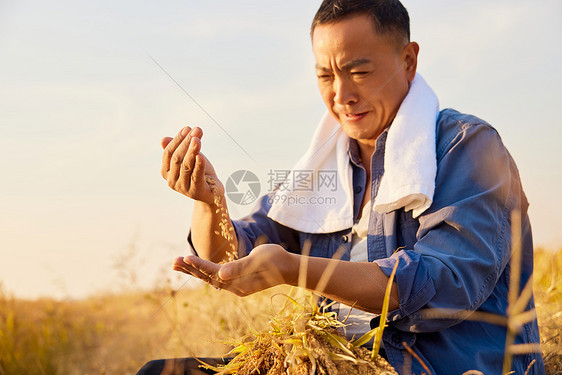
(355, 116)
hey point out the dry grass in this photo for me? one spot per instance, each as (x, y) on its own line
(548, 299)
(116, 334)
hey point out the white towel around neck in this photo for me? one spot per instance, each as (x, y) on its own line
(410, 166)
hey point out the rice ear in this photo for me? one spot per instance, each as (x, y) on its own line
(225, 224)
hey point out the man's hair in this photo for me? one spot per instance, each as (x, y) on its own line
(389, 16)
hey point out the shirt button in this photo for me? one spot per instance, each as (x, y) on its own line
(358, 189)
(344, 239)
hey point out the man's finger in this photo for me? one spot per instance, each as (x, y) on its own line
(188, 165)
(170, 149)
(165, 141)
(204, 266)
(177, 160)
(181, 266)
(241, 284)
(198, 174)
(238, 268)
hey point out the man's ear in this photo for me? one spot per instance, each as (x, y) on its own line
(410, 59)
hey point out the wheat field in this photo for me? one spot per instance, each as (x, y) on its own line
(117, 333)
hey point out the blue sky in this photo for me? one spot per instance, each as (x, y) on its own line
(83, 107)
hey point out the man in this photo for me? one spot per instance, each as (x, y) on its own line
(445, 218)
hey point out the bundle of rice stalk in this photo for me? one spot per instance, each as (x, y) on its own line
(306, 338)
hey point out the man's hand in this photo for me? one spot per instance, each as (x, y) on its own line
(266, 266)
(185, 167)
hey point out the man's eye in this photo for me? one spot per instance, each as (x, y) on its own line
(323, 77)
(359, 74)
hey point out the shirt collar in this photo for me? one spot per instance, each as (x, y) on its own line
(353, 152)
(353, 147)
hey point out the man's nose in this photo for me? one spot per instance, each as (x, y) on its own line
(345, 92)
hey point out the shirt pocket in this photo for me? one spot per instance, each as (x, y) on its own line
(406, 229)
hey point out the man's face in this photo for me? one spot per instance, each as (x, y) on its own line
(363, 77)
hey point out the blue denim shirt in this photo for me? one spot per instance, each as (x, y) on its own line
(455, 255)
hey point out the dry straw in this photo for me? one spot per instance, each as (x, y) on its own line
(306, 338)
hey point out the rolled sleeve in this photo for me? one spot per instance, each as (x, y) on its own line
(463, 242)
(245, 243)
